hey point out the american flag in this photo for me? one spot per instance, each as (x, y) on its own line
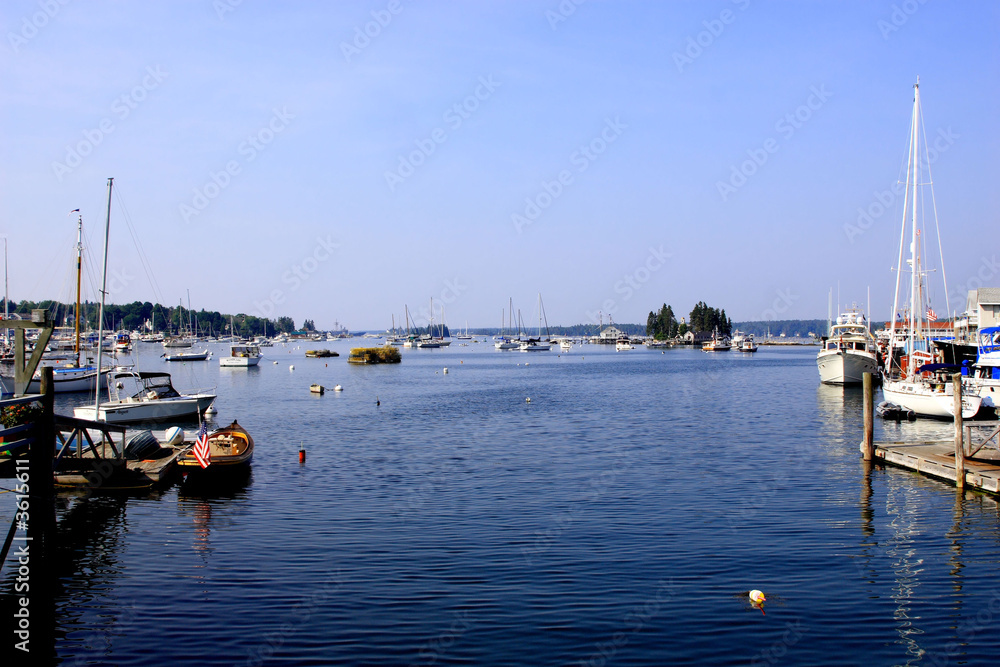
(931, 315)
(201, 450)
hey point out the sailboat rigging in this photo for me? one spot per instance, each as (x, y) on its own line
(910, 380)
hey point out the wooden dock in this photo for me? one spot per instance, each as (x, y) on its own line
(937, 459)
(971, 459)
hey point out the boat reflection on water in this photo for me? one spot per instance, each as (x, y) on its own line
(207, 501)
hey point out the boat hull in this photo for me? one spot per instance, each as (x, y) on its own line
(159, 410)
(838, 367)
(239, 362)
(927, 401)
(67, 380)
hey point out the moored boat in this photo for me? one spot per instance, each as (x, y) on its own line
(242, 356)
(187, 356)
(848, 352)
(230, 449)
(147, 397)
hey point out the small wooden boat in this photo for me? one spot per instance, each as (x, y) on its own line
(231, 448)
(317, 389)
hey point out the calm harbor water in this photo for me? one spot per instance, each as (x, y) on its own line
(619, 517)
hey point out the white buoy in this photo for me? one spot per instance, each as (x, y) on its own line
(527, 400)
(338, 388)
(210, 410)
(757, 597)
(445, 371)
(276, 363)
(292, 367)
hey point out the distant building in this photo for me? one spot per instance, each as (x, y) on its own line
(693, 338)
(610, 334)
(982, 310)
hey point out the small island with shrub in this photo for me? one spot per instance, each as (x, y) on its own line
(374, 355)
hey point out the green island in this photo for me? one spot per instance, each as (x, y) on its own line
(374, 355)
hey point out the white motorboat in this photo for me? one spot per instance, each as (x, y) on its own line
(623, 343)
(718, 343)
(187, 356)
(141, 396)
(848, 352)
(748, 344)
(242, 356)
(912, 381)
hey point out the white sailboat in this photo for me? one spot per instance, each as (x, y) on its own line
(911, 382)
(538, 344)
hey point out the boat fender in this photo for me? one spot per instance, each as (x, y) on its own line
(174, 436)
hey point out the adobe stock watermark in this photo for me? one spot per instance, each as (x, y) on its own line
(453, 117)
(301, 613)
(775, 652)
(223, 7)
(121, 108)
(986, 620)
(632, 282)
(297, 274)
(436, 648)
(900, 14)
(363, 35)
(449, 294)
(786, 127)
(562, 13)
(30, 26)
(986, 273)
(885, 199)
(580, 159)
(248, 150)
(714, 28)
(635, 620)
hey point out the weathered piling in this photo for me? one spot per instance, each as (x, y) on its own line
(43, 447)
(956, 381)
(868, 444)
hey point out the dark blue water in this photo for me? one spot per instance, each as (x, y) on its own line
(619, 517)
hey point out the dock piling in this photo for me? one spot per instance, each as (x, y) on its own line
(956, 381)
(868, 444)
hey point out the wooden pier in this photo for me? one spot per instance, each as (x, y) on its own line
(970, 460)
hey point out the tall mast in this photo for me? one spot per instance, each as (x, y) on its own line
(100, 317)
(79, 262)
(916, 302)
(6, 295)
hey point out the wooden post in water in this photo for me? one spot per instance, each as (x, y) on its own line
(956, 381)
(868, 443)
(43, 448)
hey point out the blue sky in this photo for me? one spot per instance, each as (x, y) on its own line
(340, 161)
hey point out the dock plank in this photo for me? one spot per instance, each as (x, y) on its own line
(937, 459)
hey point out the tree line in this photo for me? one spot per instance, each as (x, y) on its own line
(146, 316)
